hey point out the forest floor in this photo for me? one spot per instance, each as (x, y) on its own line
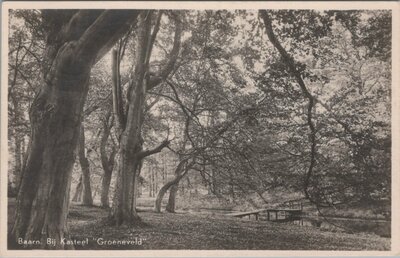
(207, 232)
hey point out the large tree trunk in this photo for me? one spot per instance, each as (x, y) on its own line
(136, 186)
(105, 189)
(123, 211)
(74, 41)
(131, 153)
(107, 162)
(172, 197)
(42, 203)
(85, 167)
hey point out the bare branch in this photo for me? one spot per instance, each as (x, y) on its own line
(157, 149)
(153, 36)
(154, 81)
(96, 106)
(117, 93)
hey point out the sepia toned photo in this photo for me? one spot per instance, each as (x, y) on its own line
(181, 128)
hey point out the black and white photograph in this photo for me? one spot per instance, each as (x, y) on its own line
(197, 128)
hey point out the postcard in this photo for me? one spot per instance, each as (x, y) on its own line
(199, 129)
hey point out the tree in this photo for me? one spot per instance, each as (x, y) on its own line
(78, 191)
(76, 39)
(323, 184)
(290, 63)
(24, 66)
(85, 168)
(203, 90)
(107, 160)
(130, 121)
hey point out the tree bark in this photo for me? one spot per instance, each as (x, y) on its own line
(130, 128)
(172, 197)
(87, 189)
(180, 172)
(131, 153)
(105, 189)
(107, 161)
(55, 114)
(55, 123)
(123, 211)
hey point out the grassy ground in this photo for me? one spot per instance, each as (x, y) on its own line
(190, 231)
(208, 232)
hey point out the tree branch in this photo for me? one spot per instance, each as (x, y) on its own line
(117, 93)
(79, 23)
(93, 108)
(154, 35)
(97, 40)
(38, 59)
(180, 103)
(157, 149)
(154, 81)
(293, 70)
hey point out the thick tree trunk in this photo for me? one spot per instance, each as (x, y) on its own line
(87, 189)
(78, 191)
(105, 189)
(42, 203)
(123, 211)
(160, 197)
(172, 197)
(107, 162)
(131, 142)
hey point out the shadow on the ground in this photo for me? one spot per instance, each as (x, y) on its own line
(206, 232)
